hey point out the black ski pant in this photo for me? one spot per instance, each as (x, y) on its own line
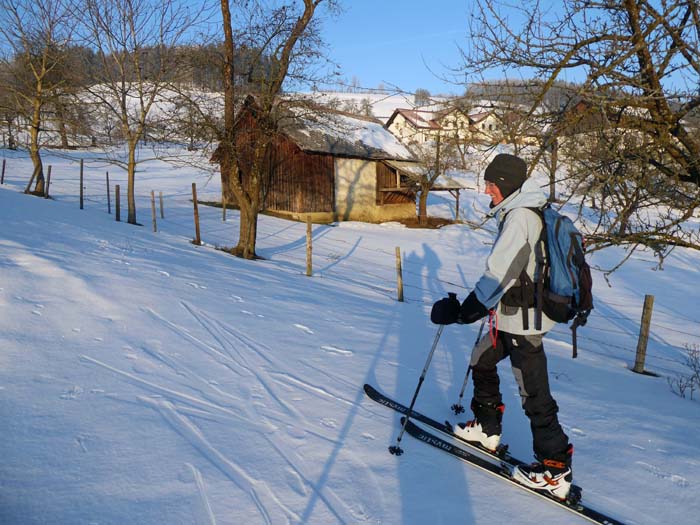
(529, 365)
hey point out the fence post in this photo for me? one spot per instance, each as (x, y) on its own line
(197, 239)
(162, 211)
(81, 184)
(109, 201)
(399, 275)
(153, 210)
(2, 177)
(309, 267)
(643, 334)
(116, 203)
(457, 205)
(48, 183)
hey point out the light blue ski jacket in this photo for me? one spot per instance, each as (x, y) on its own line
(514, 250)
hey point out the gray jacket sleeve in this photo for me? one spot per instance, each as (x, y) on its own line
(508, 258)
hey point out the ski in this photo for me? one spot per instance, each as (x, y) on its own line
(504, 471)
(501, 453)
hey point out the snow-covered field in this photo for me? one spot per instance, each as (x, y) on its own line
(146, 380)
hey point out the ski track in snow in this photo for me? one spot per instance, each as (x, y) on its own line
(314, 389)
(680, 481)
(204, 500)
(247, 358)
(270, 507)
(225, 359)
(335, 350)
(186, 398)
(218, 331)
(303, 328)
(206, 389)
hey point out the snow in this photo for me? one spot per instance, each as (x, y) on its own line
(330, 131)
(383, 104)
(147, 380)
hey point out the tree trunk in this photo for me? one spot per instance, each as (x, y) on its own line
(130, 191)
(423, 204)
(11, 143)
(62, 128)
(248, 232)
(553, 171)
(38, 173)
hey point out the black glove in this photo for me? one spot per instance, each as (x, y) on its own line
(472, 310)
(446, 310)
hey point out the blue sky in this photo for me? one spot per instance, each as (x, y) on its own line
(405, 43)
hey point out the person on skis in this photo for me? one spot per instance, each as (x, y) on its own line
(502, 293)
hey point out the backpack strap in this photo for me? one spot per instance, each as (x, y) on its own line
(541, 267)
(524, 279)
(580, 320)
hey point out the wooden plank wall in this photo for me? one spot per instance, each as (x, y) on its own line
(296, 181)
(300, 182)
(386, 178)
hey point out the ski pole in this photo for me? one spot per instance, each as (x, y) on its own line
(458, 408)
(396, 449)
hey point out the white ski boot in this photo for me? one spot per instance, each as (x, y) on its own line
(471, 431)
(549, 476)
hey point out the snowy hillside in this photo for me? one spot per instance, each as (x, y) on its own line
(382, 104)
(147, 380)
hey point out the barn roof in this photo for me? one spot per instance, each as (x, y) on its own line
(416, 171)
(342, 135)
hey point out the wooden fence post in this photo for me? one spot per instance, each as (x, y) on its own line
(309, 266)
(162, 211)
(643, 334)
(109, 201)
(153, 210)
(116, 203)
(48, 183)
(399, 275)
(197, 239)
(81, 184)
(457, 205)
(2, 177)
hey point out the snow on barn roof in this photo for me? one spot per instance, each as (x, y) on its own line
(321, 131)
(416, 171)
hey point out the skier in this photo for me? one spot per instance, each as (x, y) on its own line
(502, 294)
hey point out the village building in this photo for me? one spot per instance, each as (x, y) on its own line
(479, 125)
(331, 166)
(412, 125)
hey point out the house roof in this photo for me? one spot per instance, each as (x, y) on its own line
(478, 117)
(418, 118)
(318, 130)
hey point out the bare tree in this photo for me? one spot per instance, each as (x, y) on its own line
(136, 44)
(638, 63)
(287, 37)
(436, 156)
(35, 35)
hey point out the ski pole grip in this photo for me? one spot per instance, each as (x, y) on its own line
(452, 295)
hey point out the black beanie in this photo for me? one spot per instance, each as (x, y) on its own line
(508, 172)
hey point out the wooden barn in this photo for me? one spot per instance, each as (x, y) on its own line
(332, 166)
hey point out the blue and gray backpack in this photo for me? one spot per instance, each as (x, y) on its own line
(563, 286)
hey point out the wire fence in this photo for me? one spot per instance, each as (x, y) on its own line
(286, 242)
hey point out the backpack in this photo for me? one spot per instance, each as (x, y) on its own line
(563, 284)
